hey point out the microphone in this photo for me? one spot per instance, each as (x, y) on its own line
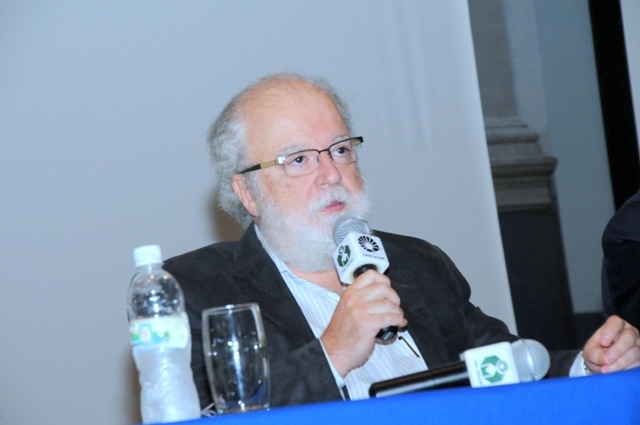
(524, 360)
(358, 251)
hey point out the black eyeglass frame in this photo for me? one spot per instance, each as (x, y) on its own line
(280, 160)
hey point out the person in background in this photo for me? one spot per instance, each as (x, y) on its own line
(287, 162)
(621, 263)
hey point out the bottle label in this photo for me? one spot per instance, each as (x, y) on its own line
(168, 331)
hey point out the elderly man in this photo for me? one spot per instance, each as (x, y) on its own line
(287, 162)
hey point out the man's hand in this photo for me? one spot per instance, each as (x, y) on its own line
(615, 346)
(366, 306)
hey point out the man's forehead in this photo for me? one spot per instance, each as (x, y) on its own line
(297, 146)
(281, 92)
(276, 109)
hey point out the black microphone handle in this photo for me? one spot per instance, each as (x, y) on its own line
(388, 333)
(451, 375)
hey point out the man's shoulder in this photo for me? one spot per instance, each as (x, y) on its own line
(214, 249)
(411, 249)
(205, 274)
(404, 242)
(624, 225)
(219, 253)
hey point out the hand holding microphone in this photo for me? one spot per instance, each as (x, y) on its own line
(365, 307)
(358, 251)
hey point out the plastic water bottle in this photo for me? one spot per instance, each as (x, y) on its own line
(161, 341)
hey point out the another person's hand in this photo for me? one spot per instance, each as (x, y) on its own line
(366, 306)
(613, 347)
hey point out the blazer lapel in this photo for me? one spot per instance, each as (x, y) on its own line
(260, 280)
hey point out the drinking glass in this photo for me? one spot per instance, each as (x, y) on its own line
(235, 352)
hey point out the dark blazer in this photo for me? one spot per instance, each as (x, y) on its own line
(621, 263)
(435, 300)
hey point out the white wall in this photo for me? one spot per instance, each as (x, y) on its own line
(104, 108)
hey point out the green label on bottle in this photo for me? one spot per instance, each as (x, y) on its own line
(168, 331)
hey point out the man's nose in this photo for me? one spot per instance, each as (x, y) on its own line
(327, 169)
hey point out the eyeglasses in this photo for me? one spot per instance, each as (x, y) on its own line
(306, 161)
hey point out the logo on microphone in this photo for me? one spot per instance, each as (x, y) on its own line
(343, 255)
(368, 244)
(493, 369)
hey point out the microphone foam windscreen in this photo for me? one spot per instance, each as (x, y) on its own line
(349, 223)
(532, 359)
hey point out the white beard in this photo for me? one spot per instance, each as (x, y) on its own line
(302, 245)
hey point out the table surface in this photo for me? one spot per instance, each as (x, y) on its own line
(612, 398)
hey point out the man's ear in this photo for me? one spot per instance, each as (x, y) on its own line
(240, 187)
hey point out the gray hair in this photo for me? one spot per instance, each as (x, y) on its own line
(227, 140)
